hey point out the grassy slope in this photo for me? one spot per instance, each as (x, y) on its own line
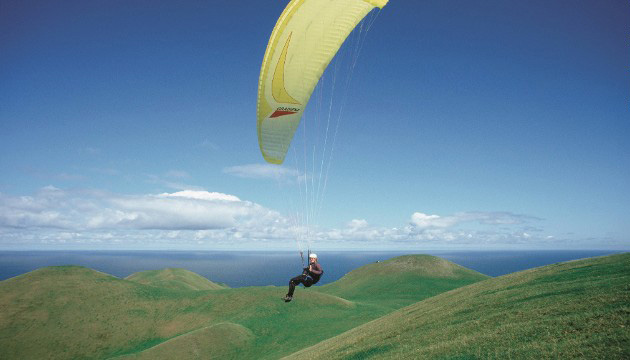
(578, 309)
(172, 278)
(402, 281)
(222, 340)
(75, 312)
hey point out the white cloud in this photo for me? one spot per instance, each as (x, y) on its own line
(358, 224)
(262, 171)
(55, 216)
(496, 218)
(202, 195)
(424, 221)
(85, 210)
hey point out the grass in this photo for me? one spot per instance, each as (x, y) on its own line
(572, 309)
(222, 340)
(173, 278)
(75, 312)
(402, 281)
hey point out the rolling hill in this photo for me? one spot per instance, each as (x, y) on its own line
(222, 340)
(402, 280)
(172, 278)
(70, 312)
(75, 312)
(573, 310)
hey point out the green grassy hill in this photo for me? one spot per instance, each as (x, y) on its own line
(573, 310)
(402, 280)
(222, 340)
(73, 312)
(172, 278)
(576, 309)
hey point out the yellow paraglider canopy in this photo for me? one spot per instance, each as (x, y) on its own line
(306, 37)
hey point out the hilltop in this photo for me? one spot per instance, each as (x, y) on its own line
(402, 280)
(578, 309)
(173, 278)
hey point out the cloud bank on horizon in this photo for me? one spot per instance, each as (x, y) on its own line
(212, 220)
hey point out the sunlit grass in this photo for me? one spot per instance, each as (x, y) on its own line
(573, 310)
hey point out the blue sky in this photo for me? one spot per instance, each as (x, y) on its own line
(472, 125)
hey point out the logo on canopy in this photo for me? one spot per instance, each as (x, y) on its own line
(281, 111)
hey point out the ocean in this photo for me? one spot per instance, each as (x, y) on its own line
(260, 268)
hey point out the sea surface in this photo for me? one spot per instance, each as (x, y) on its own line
(259, 268)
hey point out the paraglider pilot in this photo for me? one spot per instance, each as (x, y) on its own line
(310, 276)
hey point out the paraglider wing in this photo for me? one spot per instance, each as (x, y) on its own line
(306, 37)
